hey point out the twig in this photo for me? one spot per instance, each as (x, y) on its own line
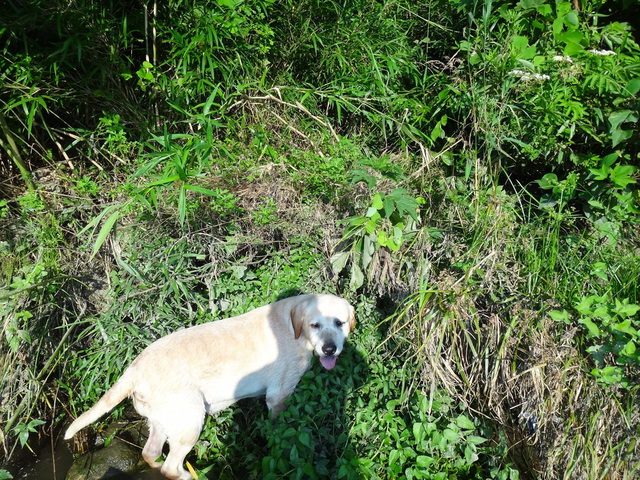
(297, 106)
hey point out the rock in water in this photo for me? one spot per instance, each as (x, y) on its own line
(112, 462)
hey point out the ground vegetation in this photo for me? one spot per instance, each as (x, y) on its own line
(464, 172)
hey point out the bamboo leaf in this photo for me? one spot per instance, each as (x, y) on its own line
(107, 226)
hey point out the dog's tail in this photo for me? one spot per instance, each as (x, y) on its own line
(120, 390)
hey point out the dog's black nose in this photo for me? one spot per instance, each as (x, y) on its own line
(329, 349)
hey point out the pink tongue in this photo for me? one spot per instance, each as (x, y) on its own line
(328, 362)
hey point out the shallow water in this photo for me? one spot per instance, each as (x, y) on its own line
(52, 462)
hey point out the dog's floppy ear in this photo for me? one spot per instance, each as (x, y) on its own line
(297, 318)
(352, 318)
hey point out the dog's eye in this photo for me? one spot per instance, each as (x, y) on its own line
(339, 323)
(314, 325)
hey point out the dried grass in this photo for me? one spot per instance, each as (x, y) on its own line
(523, 373)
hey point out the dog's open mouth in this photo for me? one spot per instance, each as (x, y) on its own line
(328, 362)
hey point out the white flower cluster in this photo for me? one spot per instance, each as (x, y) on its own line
(602, 53)
(526, 76)
(560, 58)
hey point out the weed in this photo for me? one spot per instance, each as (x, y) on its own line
(456, 158)
(611, 199)
(612, 330)
(24, 430)
(390, 220)
(265, 213)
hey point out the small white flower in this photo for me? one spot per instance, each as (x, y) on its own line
(602, 53)
(525, 76)
(561, 58)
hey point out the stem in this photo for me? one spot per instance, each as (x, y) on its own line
(13, 152)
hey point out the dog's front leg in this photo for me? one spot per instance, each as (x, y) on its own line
(276, 404)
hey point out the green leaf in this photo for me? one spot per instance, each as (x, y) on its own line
(584, 305)
(618, 136)
(602, 172)
(382, 238)
(305, 439)
(424, 461)
(464, 423)
(182, 205)
(633, 86)
(572, 18)
(376, 201)
(621, 175)
(372, 224)
(163, 181)
(599, 269)
(625, 309)
(201, 190)
(357, 277)
(622, 116)
(527, 4)
(104, 232)
(547, 182)
(451, 435)
(470, 455)
(629, 349)
(419, 433)
(475, 440)
(594, 330)
(560, 316)
(4, 475)
(339, 261)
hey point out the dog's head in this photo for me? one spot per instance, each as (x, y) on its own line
(325, 321)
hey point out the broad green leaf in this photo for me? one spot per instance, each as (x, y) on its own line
(339, 261)
(548, 201)
(419, 432)
(594, 330)
(548, 181)
(382, 238)
(559, 316)
(475, 440)
(451, 435)
(618, 136)
(633, 86)
(371, 211)
(527, 4)
(4, 475)
(392, 245)
(621, 175)
(464, 423)
(572, 18)
(368, 249)
(357, 277)
(372, 224)
(376, 201)
(625, 309)
(602, 172)
(599, 269)
(424, 461)
(629, 349)
(397, 234)
(622, 116)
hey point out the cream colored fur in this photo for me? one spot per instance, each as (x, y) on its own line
(179, 378)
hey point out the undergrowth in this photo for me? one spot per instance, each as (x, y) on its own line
(463, 172)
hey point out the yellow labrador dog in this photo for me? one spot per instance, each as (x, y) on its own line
(206, 368)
